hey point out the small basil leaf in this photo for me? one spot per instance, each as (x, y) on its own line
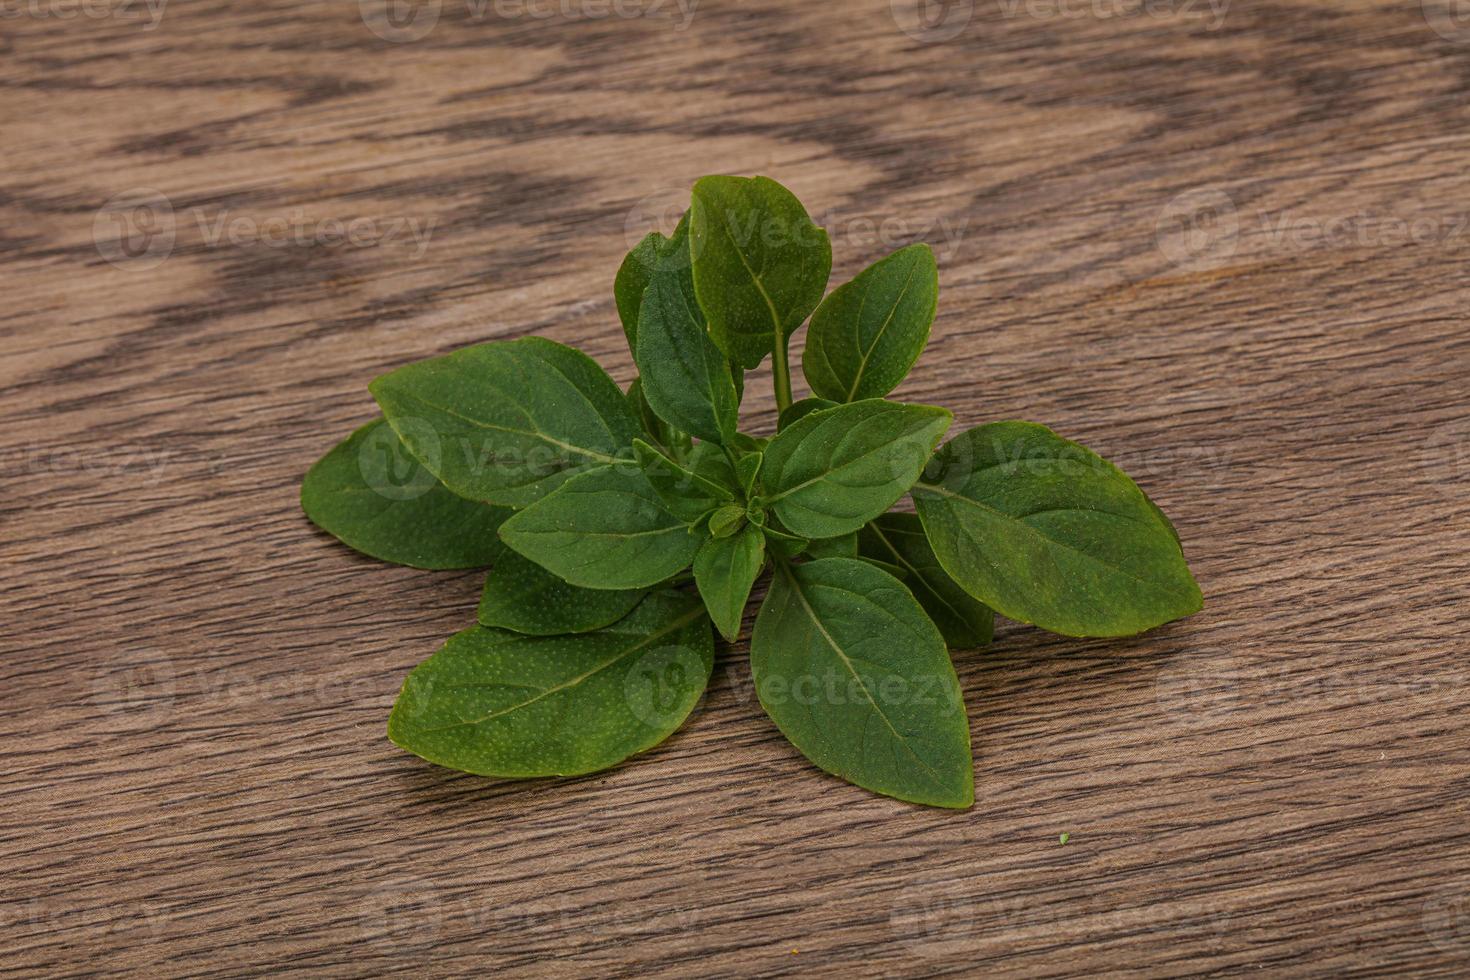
(782, 543)
(686, 378)
(747, 468)
(857, 677)
(523, 597)
(868, 333)
(658, 432)
(897, 541)
(724, 570)
(835, 470)
(760, 264)
(607, 529)
(497, 703)
(509, 421)
(632, 280)
(1045, 531)
(843, 546)
(726, 521)
(687, 492)
(371, 495)
(800, 410)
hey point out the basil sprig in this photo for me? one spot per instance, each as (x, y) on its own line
(624, 530)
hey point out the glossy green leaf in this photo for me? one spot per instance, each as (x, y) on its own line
(781, 542)
(1045, 531)
(747, 469)
(523, 597)
(868, 333)
(724, 570)
(898, 542)
(656, 432)
(372, 495)
(509, 421)
(835, 470)
(688, 491)
(686, 378)
(856, 676)
(632, 279)
(760, 264)
(607, 529)
(496, 703)
(843, 546)
(727, 520)
(800, 410)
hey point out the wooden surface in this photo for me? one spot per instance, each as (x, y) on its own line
(1228, 252)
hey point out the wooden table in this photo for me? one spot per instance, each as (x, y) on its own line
(1227, 249)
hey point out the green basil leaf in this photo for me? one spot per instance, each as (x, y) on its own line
(724, 570)
(685, 376)
(659, 433)
(632, 280)
(689, 492)
(897, 541)
(606, 529)
(1045, 531)
(835, 470)
(509, 421)
(523, 597)
(800, 410)
(868, 333)
(760, 264)
(843, 546)
(782, 543)
(497, 703)
(857, 677)
(747, 468)
(727, 520)
(371, 495)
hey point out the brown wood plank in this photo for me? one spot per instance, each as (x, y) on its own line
(1225, 245)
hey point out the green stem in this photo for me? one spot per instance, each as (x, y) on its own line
(781, 368)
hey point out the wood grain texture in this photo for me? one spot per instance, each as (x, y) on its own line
(1227, 252)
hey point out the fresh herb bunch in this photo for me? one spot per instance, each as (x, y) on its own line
(593, 505)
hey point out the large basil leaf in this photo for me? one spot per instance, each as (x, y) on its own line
(857, 677)
(497, 703)
(686, 378)
(724, 570)
(1045, 531)
(607, 529)
(632, 279)
(371, 495)
(688, 491)
(760, 264)
(832, 471)
(898, 540)
(867, 334)
(800, 410)
(523, 597)
(509, 421)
